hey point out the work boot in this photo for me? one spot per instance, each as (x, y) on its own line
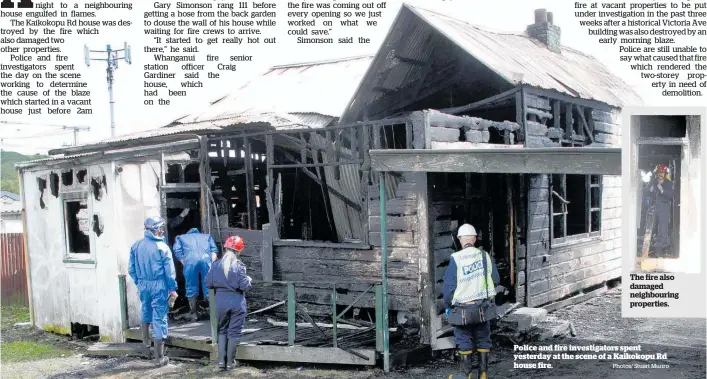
(222, 341)
(192, 309)
(231, 361)
(483, 363)
(465, 361)
(160, 358)
(146, 339)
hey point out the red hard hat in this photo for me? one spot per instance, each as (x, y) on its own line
(661, 168)
(234, 243)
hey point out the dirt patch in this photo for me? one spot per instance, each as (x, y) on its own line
(598, 321)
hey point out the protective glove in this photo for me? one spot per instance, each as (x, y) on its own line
(446, 312)
(652, 188)
(660, 188)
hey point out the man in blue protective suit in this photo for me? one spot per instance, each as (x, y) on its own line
(465, 284)
(152, 270)
(229, 279)
(664, 192)
(195, 251)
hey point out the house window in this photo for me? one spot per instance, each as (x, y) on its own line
(77, 226)
(575, 207)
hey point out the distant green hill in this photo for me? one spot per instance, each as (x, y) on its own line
(9, 180)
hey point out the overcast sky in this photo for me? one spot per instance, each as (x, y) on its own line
(131, 115)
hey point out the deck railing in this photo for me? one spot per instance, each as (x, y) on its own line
(382, 332)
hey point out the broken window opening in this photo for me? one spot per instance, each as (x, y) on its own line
(76, 223)
(576, 206)
(42, 185)
(191, 173)
(54, 184)
(179, 220)
(81, 176)
(174, 173)
(98, 184)
(67, 178)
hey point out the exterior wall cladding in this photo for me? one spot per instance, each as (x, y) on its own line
(557, 272)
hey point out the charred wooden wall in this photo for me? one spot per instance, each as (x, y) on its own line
(557, 273)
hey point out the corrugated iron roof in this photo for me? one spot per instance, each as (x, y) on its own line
(322, 88)
(301, 95)
(515, 58)
(519, 57)
(11, 207)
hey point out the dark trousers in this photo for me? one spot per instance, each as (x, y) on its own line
(231, 309)
(472, 337)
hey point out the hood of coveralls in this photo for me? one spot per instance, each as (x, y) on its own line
(148, 234)
(193, 230)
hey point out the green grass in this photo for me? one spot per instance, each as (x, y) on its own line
(29, 351)
(12, 315)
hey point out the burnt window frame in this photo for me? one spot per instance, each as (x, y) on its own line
(69, 256)
(589, 234)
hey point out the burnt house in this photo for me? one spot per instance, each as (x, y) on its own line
(512, 133)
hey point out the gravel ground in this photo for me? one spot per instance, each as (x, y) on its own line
(597, 321)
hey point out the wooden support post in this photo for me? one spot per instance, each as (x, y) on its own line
(511, 227)
(205, 186)
(163, 193)
(249, 183)
(363, 186)
(291, 306)
(266, 254)
(408, 135)
(563, 185)
(379, 318)
(270, 184)
(556, 111)
(588, 203)
(384, 272)
(521, 114)
(376, 137)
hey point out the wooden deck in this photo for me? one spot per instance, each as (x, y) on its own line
(263, 341)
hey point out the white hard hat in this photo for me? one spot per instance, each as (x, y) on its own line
(466, 230)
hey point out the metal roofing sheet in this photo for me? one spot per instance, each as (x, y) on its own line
(11, 207)
(319, 87)
(521, 58)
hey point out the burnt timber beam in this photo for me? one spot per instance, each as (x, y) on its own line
(481, 103)
(557, 160)
(521, 114)
(569, 99)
